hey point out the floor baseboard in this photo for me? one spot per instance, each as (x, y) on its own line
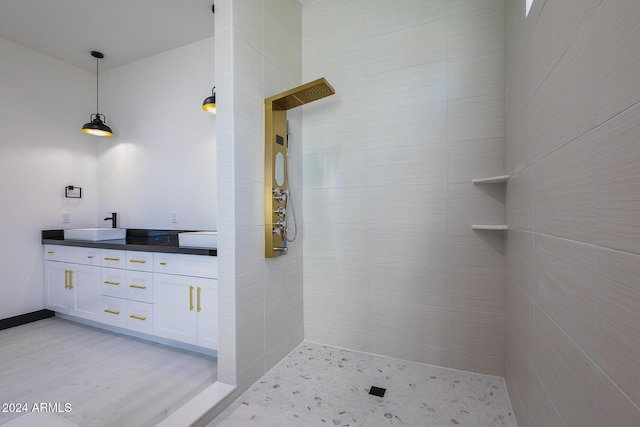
(23, 319)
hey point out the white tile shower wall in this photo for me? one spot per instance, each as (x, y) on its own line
(391, 263)
(572, 251)
(258, 55)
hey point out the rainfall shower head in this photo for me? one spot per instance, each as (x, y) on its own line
(301, 95)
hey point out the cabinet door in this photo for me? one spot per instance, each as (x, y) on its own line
(58, 292)
(85, 280)
(174, 310)
(207, 308)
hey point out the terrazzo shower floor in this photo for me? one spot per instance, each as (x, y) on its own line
(318, 385)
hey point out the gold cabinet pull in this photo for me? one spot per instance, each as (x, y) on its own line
(190, 298)
(66, 279)
(163, 263)
(111, 259)
(90, 256)
(137, 287)
(51, 252)
(139, 261)
(70, 279)
(199, 307)
(133, 316)
(112, 312)
(108, 282)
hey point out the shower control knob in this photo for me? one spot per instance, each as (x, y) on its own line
(276, 191)
(276, 231)
(281, 223)
(281, 211)
(281, 197)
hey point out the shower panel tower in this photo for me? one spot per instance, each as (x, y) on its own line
(276, 191)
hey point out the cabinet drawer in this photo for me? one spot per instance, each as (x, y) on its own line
(139, 286)
(113, 282)
(114, 311)
(198, 265)
(88, 256)
(186, 265)
(139, 316)
(113, 258)
(166, 263)
(140, 261)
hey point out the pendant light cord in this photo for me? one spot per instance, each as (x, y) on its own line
(97, 86)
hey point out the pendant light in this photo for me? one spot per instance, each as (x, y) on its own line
(209, 103)
(96, 126)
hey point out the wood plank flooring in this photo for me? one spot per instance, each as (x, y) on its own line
(109, 379)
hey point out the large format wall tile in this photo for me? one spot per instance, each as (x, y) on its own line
(519, 260)
(619, 182)
(407, 204)
(619, 65)
(565, 287)
(519, 200)
(475, 159)
(476, 332)
(565, 191)
(476, 289)
(567, 374)
(614, 407)
(618, 319)
(557, 26)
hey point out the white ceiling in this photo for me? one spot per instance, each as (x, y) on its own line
(124, 30)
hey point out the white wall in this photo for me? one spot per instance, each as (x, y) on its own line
(162, 157)
(43, 105)
(391, 264)
(573, 207)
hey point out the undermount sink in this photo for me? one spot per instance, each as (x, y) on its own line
(96, 233)
(198, 239)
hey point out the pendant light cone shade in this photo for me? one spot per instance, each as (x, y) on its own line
(209, 104)
(96, 126)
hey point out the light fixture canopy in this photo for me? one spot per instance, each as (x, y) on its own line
(209, 103)
(97, 126)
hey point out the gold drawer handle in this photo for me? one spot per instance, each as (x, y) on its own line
(51, 252)
(90, 256)
(139, 261)
(163, 263)
(111, 259)
(112, 312)
(190, 298)
(137, 287)
(107, 282)
(199, 307)
(133, 316)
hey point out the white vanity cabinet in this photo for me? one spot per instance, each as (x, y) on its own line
(73, 281)
(165, 295)
(185, 303)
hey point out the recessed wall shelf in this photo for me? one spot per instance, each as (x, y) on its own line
(499, 227)
(491, 180)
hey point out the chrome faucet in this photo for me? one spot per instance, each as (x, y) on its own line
(114, 219)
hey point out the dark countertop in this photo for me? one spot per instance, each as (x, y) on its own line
(137, 240)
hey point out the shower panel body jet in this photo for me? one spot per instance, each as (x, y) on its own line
(276, 192)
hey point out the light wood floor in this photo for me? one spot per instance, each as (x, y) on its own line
(109, 379)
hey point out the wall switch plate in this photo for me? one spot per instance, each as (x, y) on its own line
(66, 218)
(174, 217)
